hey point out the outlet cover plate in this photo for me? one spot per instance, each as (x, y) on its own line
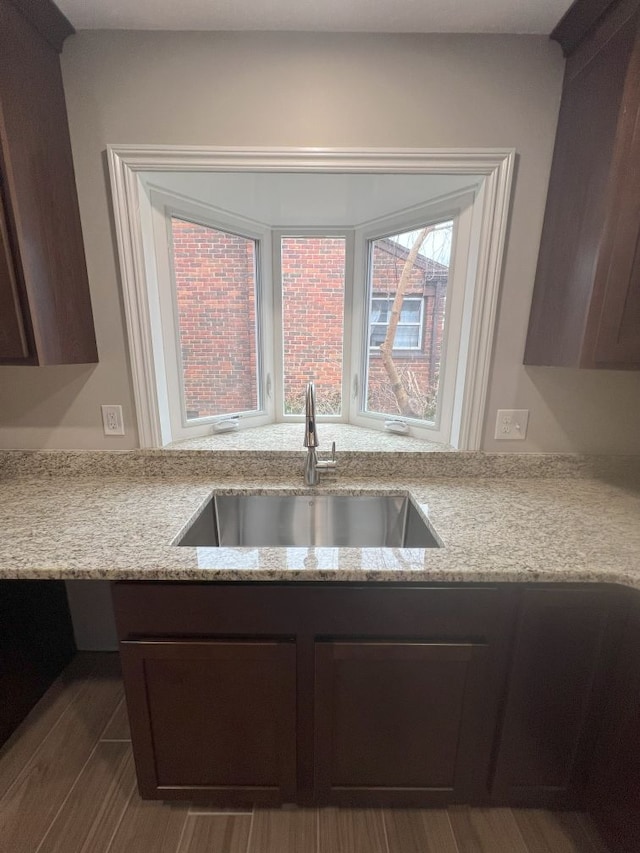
(511, 424)
(112, 420)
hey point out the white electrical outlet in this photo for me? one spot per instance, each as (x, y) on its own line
(112, 422)
(511, 424)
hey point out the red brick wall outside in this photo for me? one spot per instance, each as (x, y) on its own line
(215, 285)
(313, 320)
(214, 274)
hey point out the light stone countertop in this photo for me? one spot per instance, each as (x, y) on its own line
(561, 528)
(274, 437)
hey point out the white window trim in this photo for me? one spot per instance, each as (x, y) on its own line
(495, 165)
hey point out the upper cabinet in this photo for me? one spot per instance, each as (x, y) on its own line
(45, 309)
(586, 302)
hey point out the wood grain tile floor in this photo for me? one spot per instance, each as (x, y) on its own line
(67, 785)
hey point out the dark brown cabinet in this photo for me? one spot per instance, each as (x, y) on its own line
(36, 643)
(586, 302)
(213, 718)
(45, 308)
(398, 722)
(506, 694)
(365, 694)
(613, 795)
(371, 694)
(13, 340)
(564, 650)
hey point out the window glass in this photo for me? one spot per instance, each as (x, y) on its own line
(313, 278)
(408, 278)
(215, 276)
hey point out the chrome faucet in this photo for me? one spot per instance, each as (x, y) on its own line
(313, 466)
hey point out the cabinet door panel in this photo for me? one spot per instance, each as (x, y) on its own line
(559, 661)
(393, 719)
(213, 718)
(13, 342)
(618, 336)
(577, 199)
(39, 182)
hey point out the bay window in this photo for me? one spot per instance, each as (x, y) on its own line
(249, 313)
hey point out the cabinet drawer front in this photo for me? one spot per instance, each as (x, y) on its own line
(213, 719)
(393, 719)
(192, 609)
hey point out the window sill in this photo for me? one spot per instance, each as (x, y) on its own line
(290, 436)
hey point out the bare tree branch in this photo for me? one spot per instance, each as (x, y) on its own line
(386, 347)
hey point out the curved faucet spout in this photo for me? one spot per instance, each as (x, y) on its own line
(313, 466)
(310, 431)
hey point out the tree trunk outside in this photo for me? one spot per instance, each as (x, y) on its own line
(386, 347)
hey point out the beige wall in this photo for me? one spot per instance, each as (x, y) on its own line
(316, 90)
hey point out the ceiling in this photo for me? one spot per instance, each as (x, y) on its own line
(375, 16)
(309, 199)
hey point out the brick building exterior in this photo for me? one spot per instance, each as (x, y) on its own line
(418, 368)
(214, 274)
(313, 320)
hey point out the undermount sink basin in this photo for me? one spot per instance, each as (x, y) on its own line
(289, 521)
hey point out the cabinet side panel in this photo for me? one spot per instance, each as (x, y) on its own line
(40, 182)
(614, 780)
(13, 340)
(560, 658)
(578, 187)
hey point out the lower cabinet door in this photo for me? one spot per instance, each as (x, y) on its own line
(213, 720)
(564, 650)
(405, 722)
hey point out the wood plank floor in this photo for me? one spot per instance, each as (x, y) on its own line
(67, 785)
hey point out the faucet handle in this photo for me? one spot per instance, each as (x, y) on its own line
(327, 464)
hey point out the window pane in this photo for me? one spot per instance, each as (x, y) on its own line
(380, 310)
(415, 359)
(407, 337)
(312, 320)
(410, 312)
(215, 275)
(377, 335)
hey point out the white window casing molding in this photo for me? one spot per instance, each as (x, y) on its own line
(494, 165)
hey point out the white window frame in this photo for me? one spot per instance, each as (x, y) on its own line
(463, 208)
(419, 323)
(163, 297)
(132, 215)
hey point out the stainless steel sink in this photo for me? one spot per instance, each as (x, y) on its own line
(289, 521)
